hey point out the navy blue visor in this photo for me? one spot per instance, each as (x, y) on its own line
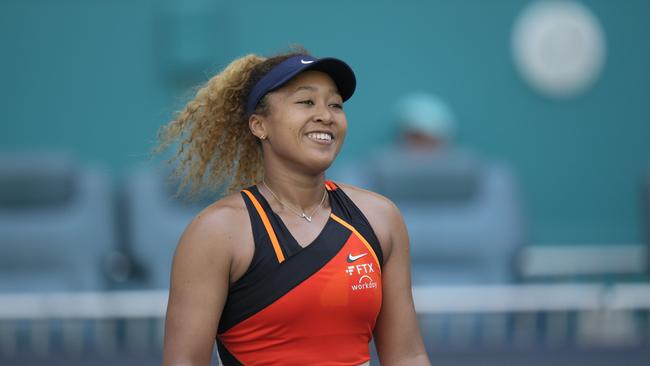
(338, 70)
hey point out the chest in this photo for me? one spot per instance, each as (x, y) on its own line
(302, 231)
(345, 293)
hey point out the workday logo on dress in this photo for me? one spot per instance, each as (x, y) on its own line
(365, 283)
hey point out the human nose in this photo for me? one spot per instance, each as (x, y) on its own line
(323, 114)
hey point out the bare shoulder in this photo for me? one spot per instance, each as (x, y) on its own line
(381, 212)
(223, 213)
(214, 228)
(369, 201)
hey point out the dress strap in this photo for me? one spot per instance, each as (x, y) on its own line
(351, 217)
(267, 225)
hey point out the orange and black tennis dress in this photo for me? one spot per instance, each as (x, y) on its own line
(313, 305)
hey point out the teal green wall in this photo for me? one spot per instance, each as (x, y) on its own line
(99, 77)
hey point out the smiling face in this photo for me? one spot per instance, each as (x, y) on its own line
(305, 126)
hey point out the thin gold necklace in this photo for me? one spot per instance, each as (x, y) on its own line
(303, 214)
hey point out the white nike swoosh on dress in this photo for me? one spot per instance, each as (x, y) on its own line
(352, 258)
(306, 61)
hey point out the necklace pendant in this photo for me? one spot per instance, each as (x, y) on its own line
(308, 218)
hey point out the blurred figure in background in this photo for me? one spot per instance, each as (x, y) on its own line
(463, 211)
(424, 128)
(425, 123)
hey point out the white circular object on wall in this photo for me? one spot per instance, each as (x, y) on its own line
(558, 47)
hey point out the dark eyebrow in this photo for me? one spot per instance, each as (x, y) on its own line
(304, 87)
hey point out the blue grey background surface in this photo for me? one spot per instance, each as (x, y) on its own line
(100, 77)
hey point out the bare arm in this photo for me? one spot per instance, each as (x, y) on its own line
(199, 286)
(397, 333)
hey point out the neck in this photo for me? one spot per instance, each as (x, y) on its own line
(300, 191)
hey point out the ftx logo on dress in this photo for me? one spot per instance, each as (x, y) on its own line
(361, 268)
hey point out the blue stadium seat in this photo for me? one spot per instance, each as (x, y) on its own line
(56, 223)
(156, 220)
(463, 214)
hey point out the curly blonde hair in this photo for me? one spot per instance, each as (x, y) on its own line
(215, 145)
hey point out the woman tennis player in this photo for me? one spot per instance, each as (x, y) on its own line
(290, 268)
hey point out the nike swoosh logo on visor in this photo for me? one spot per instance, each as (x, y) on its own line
(352, 258)
(306, 61)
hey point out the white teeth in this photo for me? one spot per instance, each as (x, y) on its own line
(320, 136)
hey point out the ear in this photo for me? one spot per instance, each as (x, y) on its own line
(256, 124)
